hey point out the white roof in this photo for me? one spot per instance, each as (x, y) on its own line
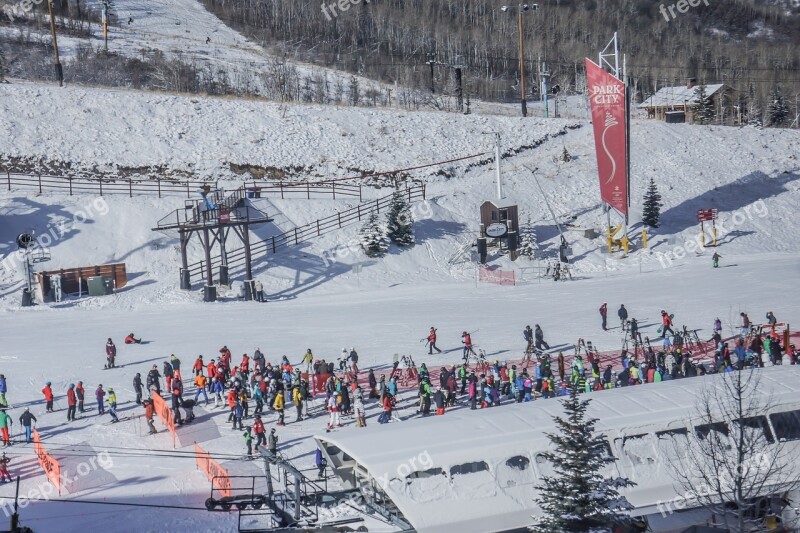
(488, 503)
(677, 96)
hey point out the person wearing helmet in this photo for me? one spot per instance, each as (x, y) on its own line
(248, 440)
(99, 395)
(26, 420)
(111, 353)
(432, 341)
(5, 475)
(273, 442)
(48, 397)
(5, 427)
(72, 402)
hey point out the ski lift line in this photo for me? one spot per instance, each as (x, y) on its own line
(96, 502)
(377, 174)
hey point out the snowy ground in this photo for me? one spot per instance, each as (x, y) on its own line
(750, 175)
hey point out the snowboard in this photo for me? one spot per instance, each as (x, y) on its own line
(661, 328)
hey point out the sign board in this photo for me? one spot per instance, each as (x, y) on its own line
(356, 267)
(496, 230)
(704, 215)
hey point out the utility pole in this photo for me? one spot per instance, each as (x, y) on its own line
(432, 62)
(521, 8)
(57, 63)
(105, 25)
(523, 101)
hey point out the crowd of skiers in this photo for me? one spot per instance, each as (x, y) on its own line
(254, 387)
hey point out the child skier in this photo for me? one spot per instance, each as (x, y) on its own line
(248, 440)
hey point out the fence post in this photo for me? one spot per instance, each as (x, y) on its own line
(273, 244)
(280, 184)
(339, 218)
(40, 182)
(359, 206)
(308, 190)
(318, 234)
(359, 198)
(69, 180)
(158, 184)
(8, 176)
(334, 190)
(101, 186)
(130, 188)
(295, 235)
(188, 194)
(378, 205)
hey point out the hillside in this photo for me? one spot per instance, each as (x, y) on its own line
(325, 294)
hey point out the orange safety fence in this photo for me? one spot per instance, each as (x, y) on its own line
(497, 277)
(213, 470)
(165, 413)
(48, 463)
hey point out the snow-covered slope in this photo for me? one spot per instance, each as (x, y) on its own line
(316, 299)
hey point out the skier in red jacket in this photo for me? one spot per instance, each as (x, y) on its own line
(48, 396)
(466, 338)
(432, 342)
(198, 365)
(666, 324)
(71, 403)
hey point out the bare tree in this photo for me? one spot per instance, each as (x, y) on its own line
(731, 462)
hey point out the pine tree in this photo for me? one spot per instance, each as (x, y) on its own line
(3, 66)
(399, 220)
(565, 156)
(354, 91)
(753, 109)
(704, 107)
(777, 111)
(577, 498)
(372, 237)
(652, 206)
(528, 246)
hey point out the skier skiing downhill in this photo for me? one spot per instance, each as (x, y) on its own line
(432, 342)
(111, 353)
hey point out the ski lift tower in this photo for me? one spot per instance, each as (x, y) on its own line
(33, 254)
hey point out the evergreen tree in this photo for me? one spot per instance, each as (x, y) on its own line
(399, 220)
(753, 109)
(565, 156)
(354, 91)
(704, 107)
(528, 246)
(3, 66)
(652, 206)
(372, 237)
(577, 498)
(777, 111)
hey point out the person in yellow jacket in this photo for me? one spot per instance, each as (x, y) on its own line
(277, 404)
(200, 382)
(297, 398)
(308, 361)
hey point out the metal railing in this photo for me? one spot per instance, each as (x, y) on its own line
(168, 187)
(308, 231)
